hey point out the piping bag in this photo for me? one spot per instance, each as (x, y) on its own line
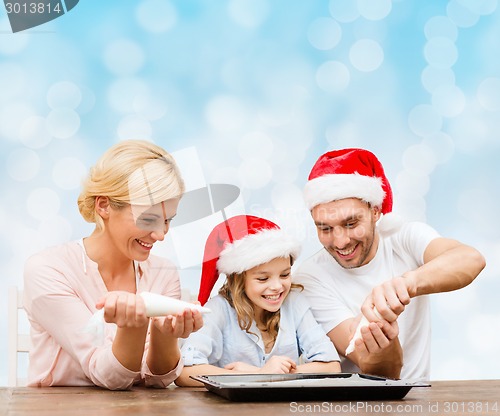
(357, 334)
(156, 305)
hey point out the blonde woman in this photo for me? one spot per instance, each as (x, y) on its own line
(131, 195)
(260, 322)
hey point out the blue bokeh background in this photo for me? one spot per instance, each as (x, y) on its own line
(251, 92)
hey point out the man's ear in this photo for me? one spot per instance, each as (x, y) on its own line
(102, 206)
(376, 213)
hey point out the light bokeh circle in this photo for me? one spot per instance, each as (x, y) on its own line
(374, 9)
(441, 52)
(488, 94)
(156, 16)
(23, 164)
(424, 120)
(344, 11)
(63, 123)
(333, 76)
(448, 100)
(34, 133)
(324, 33)
(64, 94)
(248, 13)
(68, 173)
(43, 203)
(123, 57)
(366, 55)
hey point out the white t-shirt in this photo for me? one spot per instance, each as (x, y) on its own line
(336, 294)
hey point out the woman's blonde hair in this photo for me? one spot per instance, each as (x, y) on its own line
(233, 291)
(131, 172)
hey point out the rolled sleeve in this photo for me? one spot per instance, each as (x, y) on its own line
(164, 380)
(121, 378)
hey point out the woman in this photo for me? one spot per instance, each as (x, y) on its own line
(131, 195)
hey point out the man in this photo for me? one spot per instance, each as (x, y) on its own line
(373, 264)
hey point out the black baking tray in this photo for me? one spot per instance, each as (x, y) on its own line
(304, 387)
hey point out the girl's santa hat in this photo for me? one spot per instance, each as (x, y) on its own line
(351, 173)
(240, 243)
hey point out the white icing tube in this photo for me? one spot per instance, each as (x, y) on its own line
(156, 305)
(159, 305)
(357, 334)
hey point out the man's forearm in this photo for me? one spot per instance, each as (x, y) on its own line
(449, 265)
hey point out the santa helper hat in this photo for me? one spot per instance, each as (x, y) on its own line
(352, 173)
(240, 243)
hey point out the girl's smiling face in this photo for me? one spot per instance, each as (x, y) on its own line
(268, 284)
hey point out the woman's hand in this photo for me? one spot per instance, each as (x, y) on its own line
(180, 325)
(125, 309)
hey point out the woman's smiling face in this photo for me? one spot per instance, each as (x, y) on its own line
(134, 229)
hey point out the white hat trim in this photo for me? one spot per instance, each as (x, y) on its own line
(256, 249)
(332, 187)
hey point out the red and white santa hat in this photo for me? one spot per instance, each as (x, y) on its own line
(350, 173)
(240, 243)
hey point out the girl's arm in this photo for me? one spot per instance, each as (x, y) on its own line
(276, 365)
(319, 367)
(197, 370)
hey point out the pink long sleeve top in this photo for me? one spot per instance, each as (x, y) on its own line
(61, 287)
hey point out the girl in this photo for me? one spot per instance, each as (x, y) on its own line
(131, 195)
(259, 323)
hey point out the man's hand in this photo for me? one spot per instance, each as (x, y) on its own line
(375, 337)
(390, 299)
(378, 351)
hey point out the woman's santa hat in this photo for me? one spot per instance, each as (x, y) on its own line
(351, 173)
(240, 243)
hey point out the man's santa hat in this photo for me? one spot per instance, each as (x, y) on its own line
(240, 243)
(351, 173)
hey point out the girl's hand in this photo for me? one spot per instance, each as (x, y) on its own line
(180, 325)
(124, 309)
(278, 364)
(242, 367)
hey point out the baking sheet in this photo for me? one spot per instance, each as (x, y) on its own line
(302, 387)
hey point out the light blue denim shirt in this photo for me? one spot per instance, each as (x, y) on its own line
(221, 340)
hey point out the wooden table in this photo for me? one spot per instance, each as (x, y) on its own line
(471, 397)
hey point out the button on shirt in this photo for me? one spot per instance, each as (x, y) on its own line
(221, 340)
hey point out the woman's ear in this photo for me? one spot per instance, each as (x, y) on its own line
(102, 206)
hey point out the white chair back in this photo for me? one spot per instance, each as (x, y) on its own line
(19, 343)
